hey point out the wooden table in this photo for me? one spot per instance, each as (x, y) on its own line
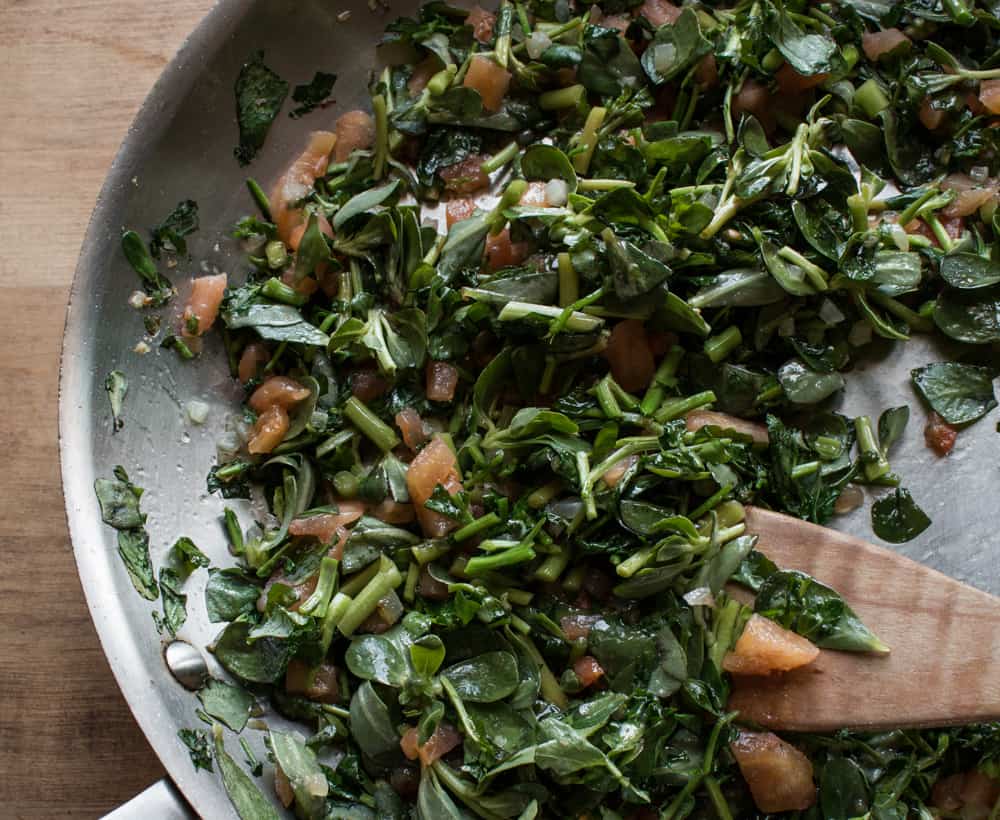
(73, 76)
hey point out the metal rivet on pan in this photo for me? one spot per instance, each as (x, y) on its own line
(186, 664)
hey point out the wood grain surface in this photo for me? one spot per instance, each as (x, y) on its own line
(72, 76)
(944, 667)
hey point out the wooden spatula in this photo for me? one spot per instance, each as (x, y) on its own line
(944, 664)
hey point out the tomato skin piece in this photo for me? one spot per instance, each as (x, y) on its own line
(422, 73)
(616, 471)
(269, 431)
(280, 390)
(588, 670)
(780, 777)
(939, 435)
(355, 131)
(766, 647)
(989, 95)
(754, 98)
(930, 117)
(697, 419)
(203, 304)
(489, 79)
(330, 529)
(393, 512)
(970, 794)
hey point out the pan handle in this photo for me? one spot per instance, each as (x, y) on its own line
(162, 800)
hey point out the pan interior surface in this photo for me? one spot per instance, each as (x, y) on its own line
(181, 147)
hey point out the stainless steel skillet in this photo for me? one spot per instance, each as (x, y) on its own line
(180, 147)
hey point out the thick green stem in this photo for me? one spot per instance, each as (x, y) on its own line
(388, 578)
(371, 425)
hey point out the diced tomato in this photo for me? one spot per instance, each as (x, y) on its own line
(534, 194)
(203, 304)
(355, 131)
(766, 647)
(283, 788)
(930, 117)
(619, 22)
(953, 226)
(754, 98)
(465, 177)
(307, 286)
(280, 390)
(442, 379)
(318, 683)
(502, 253)
(412, 427)
(875, 44)
(629, 355)
(615, 472)
(970, 194)
(254, 356)
(298, 181)
(367, 384)
(660, 341)
(974, 104)
(430, 587)
(489, 79)
(588, 670)
(295, 237)
(577, 626)
(482, 23)
(970, 795)
(394, 512)
(660, 12)
(330, 529)
(780, 777)
(444, 739)
(458, 210)
(422, 73)
(697, 419)
(939, 435)
(791, 82)
(989, 95)
(435, 464)
(269, 430)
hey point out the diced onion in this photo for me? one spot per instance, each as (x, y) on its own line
(702, 596)
(536, 44)
(979, 173)
(861, 333)
(197, 411)
(849, 499)
(899, 236)
(556, 193)
(664, 57)
(227, 446)
(830, 313)
(139, 300)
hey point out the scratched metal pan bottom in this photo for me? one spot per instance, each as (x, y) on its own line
(180, 147)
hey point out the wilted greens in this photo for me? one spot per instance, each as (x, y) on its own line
(506, 460)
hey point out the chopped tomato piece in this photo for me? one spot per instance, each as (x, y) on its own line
(422, 73)
(620, 22)
(577, 626)
(754, 98)
(458, 210)
(283, 788)
(482, 23)
(465, 177)
(489, 79)
(298, 181)
(588, 670)
(367, 384)
(989, 95)
(929, 116)
(697, 419)
(430, 587)
(444, 739)
(269, 431)
(780, 777)
(502, 253)
(394, 512)
(355, 130)
(279, 390)
(295, 237)
(316, 683)
(629, 355)
(254, 355)
(435, 464)
(412, 427)
(791, 82)
(877, 43)
(971, 195)
(442, 379)
(766, 647)
(939, 435)
(330, 528)
(660, 12)
(615, 472)
(534, 194)
(707, 72)
(660, 341)
(203, 304)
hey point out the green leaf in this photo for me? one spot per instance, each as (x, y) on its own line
(259, 96)
(169, 234)
(805, 386)
(891, 425)
(277, 323)
(226, 702)
(801, 603)
(969, 316)
(312, 251)
(156, 285)
(376, 657)
(426, 655)
(133, 548)
(200, 752)
(364, 202)
(246, 798)
(486, 678)
(313, 94)
(808, 54)
(308, 782)
(371, 725)
(959, 393)
(119, 500)
(116, 385)
(675, 48)
(969, 271)
(843, 790)
(174, 600)
(609, 66)
(896, 518)
(546, 162)
(259, 661)
(230, 594)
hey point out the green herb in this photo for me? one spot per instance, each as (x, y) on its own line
(157, 286)
(259, 96)
(116, 385)
(959, 393)
(313, 94)
(246, 798)
(169, 234)
(896, 518)
(196, 741)
(227, 703)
